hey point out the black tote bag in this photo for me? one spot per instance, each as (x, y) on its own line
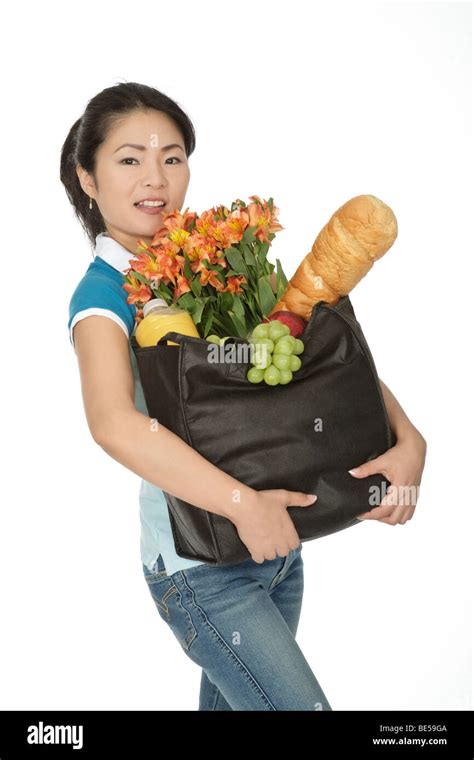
(303, 436)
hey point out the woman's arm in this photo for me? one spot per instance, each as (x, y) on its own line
(402, 465)
(399, 422)
(150, 450)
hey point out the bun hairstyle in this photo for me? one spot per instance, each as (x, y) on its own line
(91, 129)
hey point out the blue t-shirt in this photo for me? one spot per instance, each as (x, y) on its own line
(100, 292)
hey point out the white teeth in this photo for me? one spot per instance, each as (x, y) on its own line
(151, 203)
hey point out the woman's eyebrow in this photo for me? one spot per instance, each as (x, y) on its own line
(142, 147)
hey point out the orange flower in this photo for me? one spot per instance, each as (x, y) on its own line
(237, 222)
(264, 218)
(138, 315)
(222, 234)
(179, 236)
(181, 287)
(234, 282)
(209, 276)
(206, 223)
(146, 264)
(169, 266)
(137, 291)
(222, 211)
(142, 246)
(173, 221)
(199, 248)
(218, 231)
(169, 247)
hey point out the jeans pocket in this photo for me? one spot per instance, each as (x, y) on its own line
(167, 598)
(286, 563)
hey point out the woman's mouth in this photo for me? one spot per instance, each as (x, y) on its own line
(150, 207)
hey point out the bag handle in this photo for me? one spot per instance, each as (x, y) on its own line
(171, 335)
(180, 338)
(177, 337)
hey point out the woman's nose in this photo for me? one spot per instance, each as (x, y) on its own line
(153, 174)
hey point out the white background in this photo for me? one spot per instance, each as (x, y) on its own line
(310, 105)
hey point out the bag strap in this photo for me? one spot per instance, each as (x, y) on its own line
(171, 335)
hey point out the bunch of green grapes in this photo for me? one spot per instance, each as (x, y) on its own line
(275, 353)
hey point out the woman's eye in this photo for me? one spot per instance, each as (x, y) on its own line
(173, 158)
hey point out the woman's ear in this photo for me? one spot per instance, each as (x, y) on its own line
(86, 181)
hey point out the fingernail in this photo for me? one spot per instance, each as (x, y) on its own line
(353, 471)
(313, 496)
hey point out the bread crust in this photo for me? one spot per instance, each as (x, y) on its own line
(358, 233)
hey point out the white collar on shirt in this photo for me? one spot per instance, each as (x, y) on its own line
(112, 252)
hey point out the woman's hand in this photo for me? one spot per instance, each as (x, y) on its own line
(403, 466)
(264, 525)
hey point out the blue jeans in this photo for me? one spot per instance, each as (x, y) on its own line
(238, 623)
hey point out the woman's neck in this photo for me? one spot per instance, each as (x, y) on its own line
(127, 241)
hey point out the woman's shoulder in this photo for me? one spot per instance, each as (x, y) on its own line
(100, 290)
(102, 280)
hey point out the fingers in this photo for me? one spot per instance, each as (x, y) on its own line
(279, 551)
(384, 509)
(372, 467)
(410, 511)
(399, 516)
(399, 512)
(377, 513)
(299, 499)
(389, 514)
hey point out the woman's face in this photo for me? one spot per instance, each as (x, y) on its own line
(142, 157)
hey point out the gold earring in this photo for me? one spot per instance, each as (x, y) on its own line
(90, 201)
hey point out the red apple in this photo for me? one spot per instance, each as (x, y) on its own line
(296, 323)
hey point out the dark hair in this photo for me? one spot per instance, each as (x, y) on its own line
(88, 132)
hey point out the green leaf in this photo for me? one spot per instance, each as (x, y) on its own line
(196, 286)
(237, 305)
(249, 236)
(141, 278)
(266, 295)
(225, 301)
(239, 329)
(215, 267)
(186, 301)
(282, 282)
(235, 259)
(253, 310)
(208, 320)
(225, 323)
(163, 292)
(198, 309)
(262, 254)
(281, 273)
(249, 255)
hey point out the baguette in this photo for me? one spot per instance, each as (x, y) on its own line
(357, 234)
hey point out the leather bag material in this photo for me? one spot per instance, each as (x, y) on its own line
(303, 436)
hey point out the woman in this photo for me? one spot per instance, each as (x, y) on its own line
(125, 156)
